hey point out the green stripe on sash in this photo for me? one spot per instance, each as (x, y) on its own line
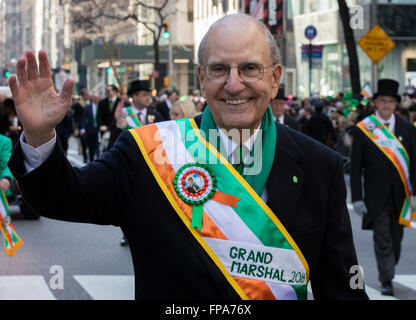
(133, 116)
(4, 201)
(389, 135)
(248, 209)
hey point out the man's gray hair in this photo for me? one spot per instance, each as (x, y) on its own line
(274, 49)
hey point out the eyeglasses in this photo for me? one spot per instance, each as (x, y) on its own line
(248, 72)
(384, 101)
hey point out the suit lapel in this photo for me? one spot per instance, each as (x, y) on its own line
(286, 178)
(399, 129)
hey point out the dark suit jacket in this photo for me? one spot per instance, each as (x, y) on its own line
(163, 109)
(291, 122)
(87, 120)
(320, 128)
(105, 116)
(380, 176)
(169, 263)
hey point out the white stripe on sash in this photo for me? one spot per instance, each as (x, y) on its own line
(378, 132)
(232, 227)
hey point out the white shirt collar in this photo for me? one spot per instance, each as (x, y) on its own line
(230, 145)
(391, 121)
(143, 113)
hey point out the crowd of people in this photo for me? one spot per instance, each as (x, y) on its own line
(92, 119)
(331, 120)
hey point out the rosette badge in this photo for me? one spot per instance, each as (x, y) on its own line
(195, 184)
(370, 126)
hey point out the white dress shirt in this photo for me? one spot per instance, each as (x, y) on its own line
(391, 121)
(230, 146)
(143, 114)
(34, 157)
(281, 119)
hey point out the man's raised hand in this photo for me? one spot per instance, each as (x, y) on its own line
(39, 108)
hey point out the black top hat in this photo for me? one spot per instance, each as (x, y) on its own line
(280, 95)
(387, 87)
(138, 85)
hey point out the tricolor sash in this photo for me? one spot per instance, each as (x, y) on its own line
(12, 241)
(393, 149)
(234, 226)
(131, 118)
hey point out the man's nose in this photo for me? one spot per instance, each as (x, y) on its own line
(234, 83)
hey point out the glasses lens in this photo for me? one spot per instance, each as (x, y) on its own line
(217, 71)
(251, 71)
(384, 101)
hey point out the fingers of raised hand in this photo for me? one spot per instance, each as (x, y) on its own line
(21, 71)
(14, 88)
(44, 66)
(67, 90)
(32, 65)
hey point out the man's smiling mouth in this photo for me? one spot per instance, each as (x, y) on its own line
(236, 101)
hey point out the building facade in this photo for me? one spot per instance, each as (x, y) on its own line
(31, 25)
(132, 51)
(394, 16)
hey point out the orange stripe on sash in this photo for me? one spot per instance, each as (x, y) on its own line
(362, 126)
(399, 168)
(254, 289)
(153, 142)
(390, 155)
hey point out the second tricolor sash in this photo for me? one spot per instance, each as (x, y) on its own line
(132, 120)
(234, 226)
(393, 149)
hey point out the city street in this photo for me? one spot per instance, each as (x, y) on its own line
(95, 266)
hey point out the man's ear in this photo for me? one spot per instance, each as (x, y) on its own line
(277, 74)
(201, 77)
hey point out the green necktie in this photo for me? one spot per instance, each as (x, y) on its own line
(94, 115)
(111, 106)
(239, 153)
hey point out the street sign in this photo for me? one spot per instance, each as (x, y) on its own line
(376, 44)
(316, 51)
(310, 32)
(316, 55)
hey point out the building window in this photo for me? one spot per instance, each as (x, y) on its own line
(190, 10)
(224, 6)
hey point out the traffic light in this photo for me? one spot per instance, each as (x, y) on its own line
(166, 81)
(166, 34)
(110, 70)
(6, 73)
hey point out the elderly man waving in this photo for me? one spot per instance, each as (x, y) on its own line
(270, 213)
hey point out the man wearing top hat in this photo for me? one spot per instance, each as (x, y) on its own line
(140, 93)
(278, 104)
(384, 190)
